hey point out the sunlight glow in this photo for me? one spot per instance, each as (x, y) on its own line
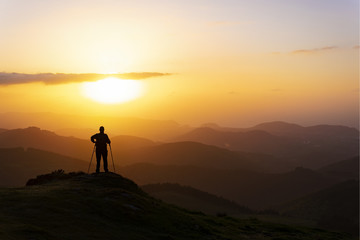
(113, 90)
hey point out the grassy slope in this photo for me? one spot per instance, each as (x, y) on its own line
(107, 206)
(195, 199)
(336, 207)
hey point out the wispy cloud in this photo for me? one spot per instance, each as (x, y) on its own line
(356, 47)
(62, 78)
(314, 50)
(227, 23)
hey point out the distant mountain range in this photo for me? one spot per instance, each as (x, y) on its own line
(198, 154)
(2, 130)
(84, 126)
(311, 147)
(18, 165)
(279, 128)
(294, 130)
(255, 150)
(34, 137)
(129, 149)
(253, 189)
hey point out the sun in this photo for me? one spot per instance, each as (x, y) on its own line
(113, 90)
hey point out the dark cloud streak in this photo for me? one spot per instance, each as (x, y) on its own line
(315, 50)
(62, 78)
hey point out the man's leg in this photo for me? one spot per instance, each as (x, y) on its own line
(104, 154)
(98, 159)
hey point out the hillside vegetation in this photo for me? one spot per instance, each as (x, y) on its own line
(195, 199)
(336, 207)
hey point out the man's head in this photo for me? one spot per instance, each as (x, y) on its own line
(102, 129)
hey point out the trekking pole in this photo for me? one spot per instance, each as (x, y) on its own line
(91, 159)
(112, 158)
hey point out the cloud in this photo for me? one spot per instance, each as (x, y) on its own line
(356, 47)
(227, 23)
(62, 78)
(312, 51)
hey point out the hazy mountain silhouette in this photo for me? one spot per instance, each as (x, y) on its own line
(197, 154)
(293, 130)
(82, 133)
(253, 141)
(336, 207)
(253, 189)
(130, 149)
(343, 170)
(280, 128)
(108, 206)
(311, 147)
(45, 140)
(124, 142)
(194, 199)
(287, 152)
(78, 148)
(158, 130)
(18, 165)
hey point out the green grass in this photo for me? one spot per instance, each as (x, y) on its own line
(107, 206)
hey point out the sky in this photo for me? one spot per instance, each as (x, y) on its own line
(233, 62)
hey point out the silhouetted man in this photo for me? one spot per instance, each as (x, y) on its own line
(100, 140)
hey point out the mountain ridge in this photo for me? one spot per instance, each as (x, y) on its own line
(313, 147)
(130, 149)
(252, 189)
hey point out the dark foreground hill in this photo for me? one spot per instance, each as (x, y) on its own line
(336, 207)
(108, 206)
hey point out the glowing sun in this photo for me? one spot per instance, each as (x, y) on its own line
(113, 90)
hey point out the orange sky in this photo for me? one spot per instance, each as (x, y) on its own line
(237, 63)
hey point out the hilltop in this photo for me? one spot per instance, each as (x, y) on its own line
(108, 206)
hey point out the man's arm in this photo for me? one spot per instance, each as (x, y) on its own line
(93, 137)
(108, 140)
